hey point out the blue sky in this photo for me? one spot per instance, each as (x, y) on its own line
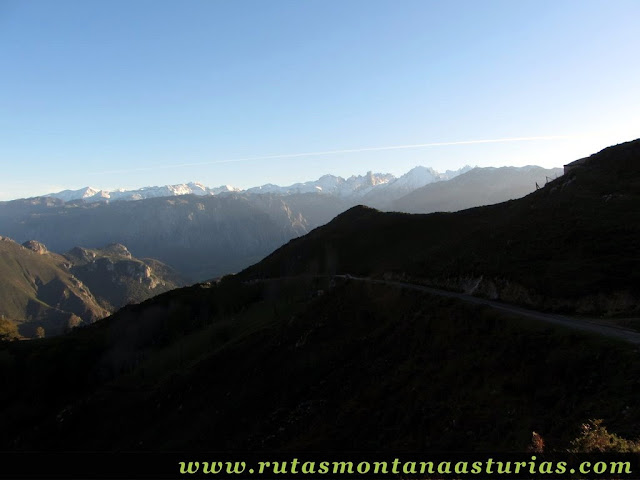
(149, 92)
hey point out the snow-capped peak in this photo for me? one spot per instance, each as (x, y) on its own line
(89, 194)
(82, 193)
(417, 177)
(356, 186)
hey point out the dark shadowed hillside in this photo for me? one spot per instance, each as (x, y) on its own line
(571, 245)
(264, 367)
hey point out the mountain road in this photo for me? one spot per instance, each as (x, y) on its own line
(610, 331)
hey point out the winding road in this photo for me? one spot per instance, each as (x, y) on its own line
(610, 331)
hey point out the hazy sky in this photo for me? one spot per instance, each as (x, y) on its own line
(135, 93)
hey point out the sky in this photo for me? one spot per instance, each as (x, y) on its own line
(125, 94)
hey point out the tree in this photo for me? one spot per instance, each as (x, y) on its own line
(73, 322)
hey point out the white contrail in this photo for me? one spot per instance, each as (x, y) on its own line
(335, 152)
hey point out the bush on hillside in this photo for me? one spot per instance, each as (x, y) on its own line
(594, 437)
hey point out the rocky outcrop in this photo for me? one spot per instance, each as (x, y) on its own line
(35, 246)
(117, 278)
(117, 249)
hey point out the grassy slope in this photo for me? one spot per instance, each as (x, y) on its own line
(37, 289)
(50, 290)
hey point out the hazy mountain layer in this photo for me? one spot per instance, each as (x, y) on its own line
(210, 235)
(480, 186)
(200, 236)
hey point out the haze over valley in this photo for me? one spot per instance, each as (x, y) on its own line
(182, 224)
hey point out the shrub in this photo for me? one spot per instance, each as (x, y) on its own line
(594, 437)
(8, 329)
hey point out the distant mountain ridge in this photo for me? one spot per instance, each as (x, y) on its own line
(204, 236)
(89, 194)
(356, 186)
(479, 186)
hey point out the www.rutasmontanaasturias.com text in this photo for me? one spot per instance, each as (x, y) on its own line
(398, 467)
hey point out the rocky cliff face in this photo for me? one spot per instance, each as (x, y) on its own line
(117, 278)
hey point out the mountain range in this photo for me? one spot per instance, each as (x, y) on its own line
(331, 343)
(355, 186)
(208, 235)
(89, 194)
